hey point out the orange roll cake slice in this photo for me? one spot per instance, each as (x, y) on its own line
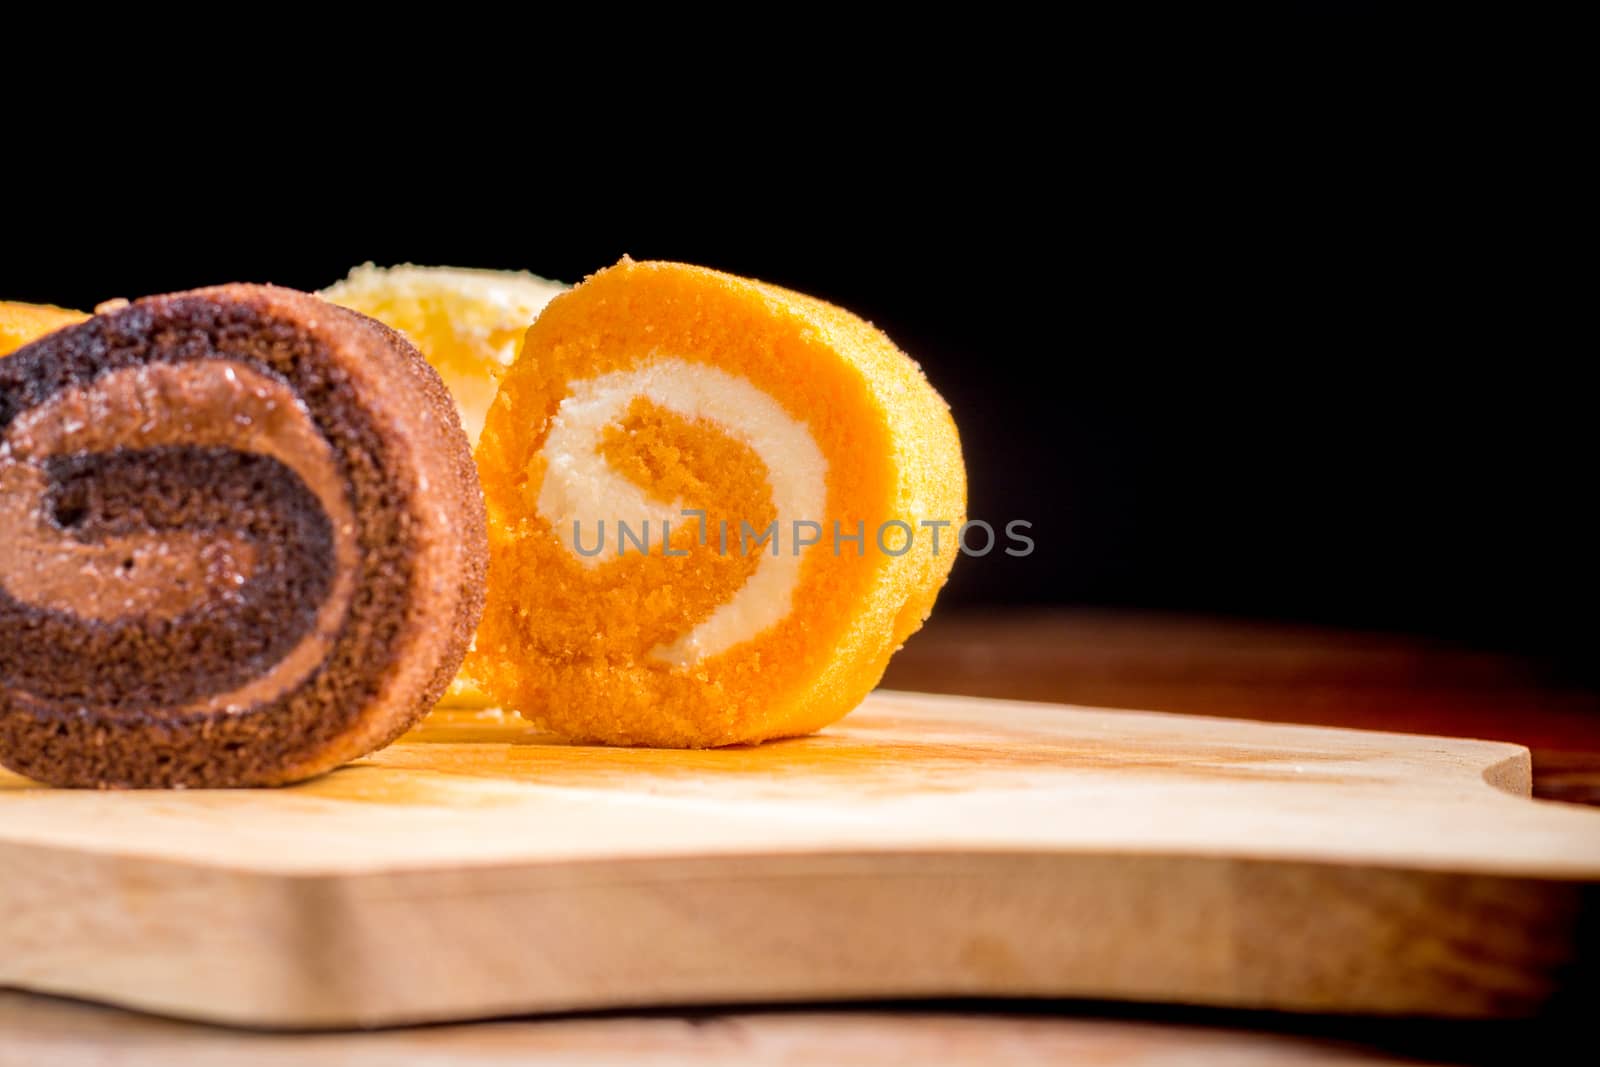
(241, 542)
(716, 508)
(21, 323)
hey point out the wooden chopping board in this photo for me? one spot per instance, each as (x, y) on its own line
(926, 846)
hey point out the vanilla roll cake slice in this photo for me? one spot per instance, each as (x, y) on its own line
(468, 325)
(243, 542)
(716, 508)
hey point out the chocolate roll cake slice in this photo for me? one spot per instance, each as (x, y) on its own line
(241, 542)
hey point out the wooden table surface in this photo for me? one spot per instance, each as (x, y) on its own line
(1270, 672)
(1229, 668)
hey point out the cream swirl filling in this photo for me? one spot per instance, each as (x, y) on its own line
(580, 488)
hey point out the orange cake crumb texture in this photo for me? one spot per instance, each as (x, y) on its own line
(22, 323)
(567, 644)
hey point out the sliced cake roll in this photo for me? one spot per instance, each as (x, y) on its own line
(243, 542)
(466, 323)
(716, 508)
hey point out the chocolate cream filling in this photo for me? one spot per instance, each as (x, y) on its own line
(183, 529)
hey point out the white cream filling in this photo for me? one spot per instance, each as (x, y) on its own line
(580, 488)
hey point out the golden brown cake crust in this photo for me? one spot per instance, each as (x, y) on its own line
(261, 555)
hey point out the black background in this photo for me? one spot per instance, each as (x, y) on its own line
(1272, 331)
